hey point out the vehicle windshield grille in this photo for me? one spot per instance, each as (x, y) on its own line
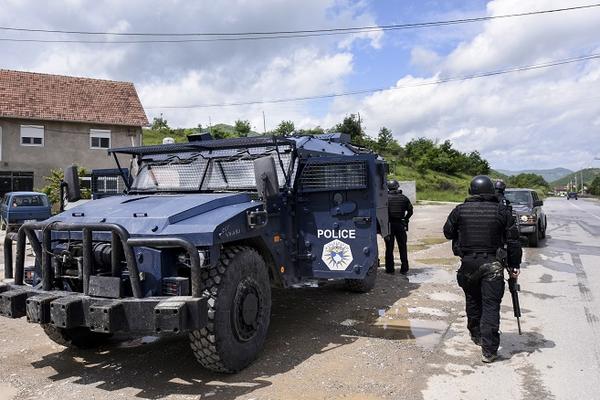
(225, 170)
(334, 176)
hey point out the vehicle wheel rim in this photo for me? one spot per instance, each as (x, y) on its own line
(247, 310)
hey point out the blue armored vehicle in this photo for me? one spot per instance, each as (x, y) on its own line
(204, 231)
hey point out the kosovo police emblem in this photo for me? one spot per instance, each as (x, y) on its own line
(337, 255)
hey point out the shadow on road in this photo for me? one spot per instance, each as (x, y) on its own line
(528, 342)
(305, 322)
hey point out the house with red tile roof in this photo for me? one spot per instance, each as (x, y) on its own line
(51, 121)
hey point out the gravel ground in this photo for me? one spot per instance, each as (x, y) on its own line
(324, 343)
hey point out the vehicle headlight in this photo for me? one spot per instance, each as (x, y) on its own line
(528, 219)
(184, 258)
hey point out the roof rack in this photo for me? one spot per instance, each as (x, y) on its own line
(219, 144)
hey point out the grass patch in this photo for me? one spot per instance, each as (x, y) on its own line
(432, 241)
(416, 247)
(438, 261)
(425, 243)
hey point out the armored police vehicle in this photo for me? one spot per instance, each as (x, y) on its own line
(203, 232)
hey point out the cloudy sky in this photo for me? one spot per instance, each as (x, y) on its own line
(535, 119)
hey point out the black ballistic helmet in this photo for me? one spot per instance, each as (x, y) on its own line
(393, 185)
(481, 184)
(500, 186)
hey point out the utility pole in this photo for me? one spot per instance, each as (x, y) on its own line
(264, 124)
(209, 125)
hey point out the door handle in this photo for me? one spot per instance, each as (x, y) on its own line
(361, 220)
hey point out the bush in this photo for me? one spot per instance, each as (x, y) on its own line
(425, 154)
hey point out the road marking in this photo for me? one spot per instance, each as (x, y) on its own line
(585, 211)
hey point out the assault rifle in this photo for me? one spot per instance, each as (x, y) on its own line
(513, 287)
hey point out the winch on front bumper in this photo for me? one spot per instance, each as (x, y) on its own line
(100, 306)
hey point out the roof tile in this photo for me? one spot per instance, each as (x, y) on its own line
(32, 95)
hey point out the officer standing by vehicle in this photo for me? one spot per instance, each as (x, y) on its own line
(400, 210)
(480, 228)
(500, 187)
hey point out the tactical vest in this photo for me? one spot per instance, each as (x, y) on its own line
(397, 206)
(479, 228)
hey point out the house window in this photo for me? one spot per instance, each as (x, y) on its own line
(32, 135)
(99, 139)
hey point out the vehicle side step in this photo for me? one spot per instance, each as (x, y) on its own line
(13, 303)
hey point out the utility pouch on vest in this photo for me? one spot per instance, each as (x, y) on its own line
(501, 257)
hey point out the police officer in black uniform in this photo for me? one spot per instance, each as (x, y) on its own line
(484, 235)
(500, 187)
(400, 210)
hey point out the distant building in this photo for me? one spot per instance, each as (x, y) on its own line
(51, 121)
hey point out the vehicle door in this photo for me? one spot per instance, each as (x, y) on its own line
(336, 216)
(538, 210)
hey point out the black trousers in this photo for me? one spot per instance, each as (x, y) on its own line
(482, 280)
(398, 234)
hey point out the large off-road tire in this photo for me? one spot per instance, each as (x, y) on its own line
(239, 311)
(534, 238)
(78, 338)
(544, 230)
(364, 285)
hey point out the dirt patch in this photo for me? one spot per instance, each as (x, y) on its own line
(7, 392)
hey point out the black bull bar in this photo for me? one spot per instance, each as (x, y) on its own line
(73, 309)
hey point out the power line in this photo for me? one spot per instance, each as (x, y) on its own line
(373, 90)
(261, 35)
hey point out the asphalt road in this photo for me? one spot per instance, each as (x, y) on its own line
(404, 340)
(558, 357)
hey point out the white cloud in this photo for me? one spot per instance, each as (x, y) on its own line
(541, 118)
(196, 73)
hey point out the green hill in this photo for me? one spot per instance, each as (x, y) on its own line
(588, 176)
(549, 175)
(432, 185)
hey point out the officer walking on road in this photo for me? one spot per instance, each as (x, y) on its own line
(480, 228)
(400, 210)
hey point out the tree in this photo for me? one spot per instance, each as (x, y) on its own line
(317, 130)
(160, 124)
(352, 126)
(285, 128)
(385, 138)
(527, 181)
(595, 186)
(219, 133)
(52, 188)
(242, 128)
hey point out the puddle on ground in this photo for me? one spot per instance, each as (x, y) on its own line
(393, 324)
(436, 312)
(431, 275)
(424, 332)
(7, 392)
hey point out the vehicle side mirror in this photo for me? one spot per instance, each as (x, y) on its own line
(267, 183)
(71, 183)
(538, 203)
